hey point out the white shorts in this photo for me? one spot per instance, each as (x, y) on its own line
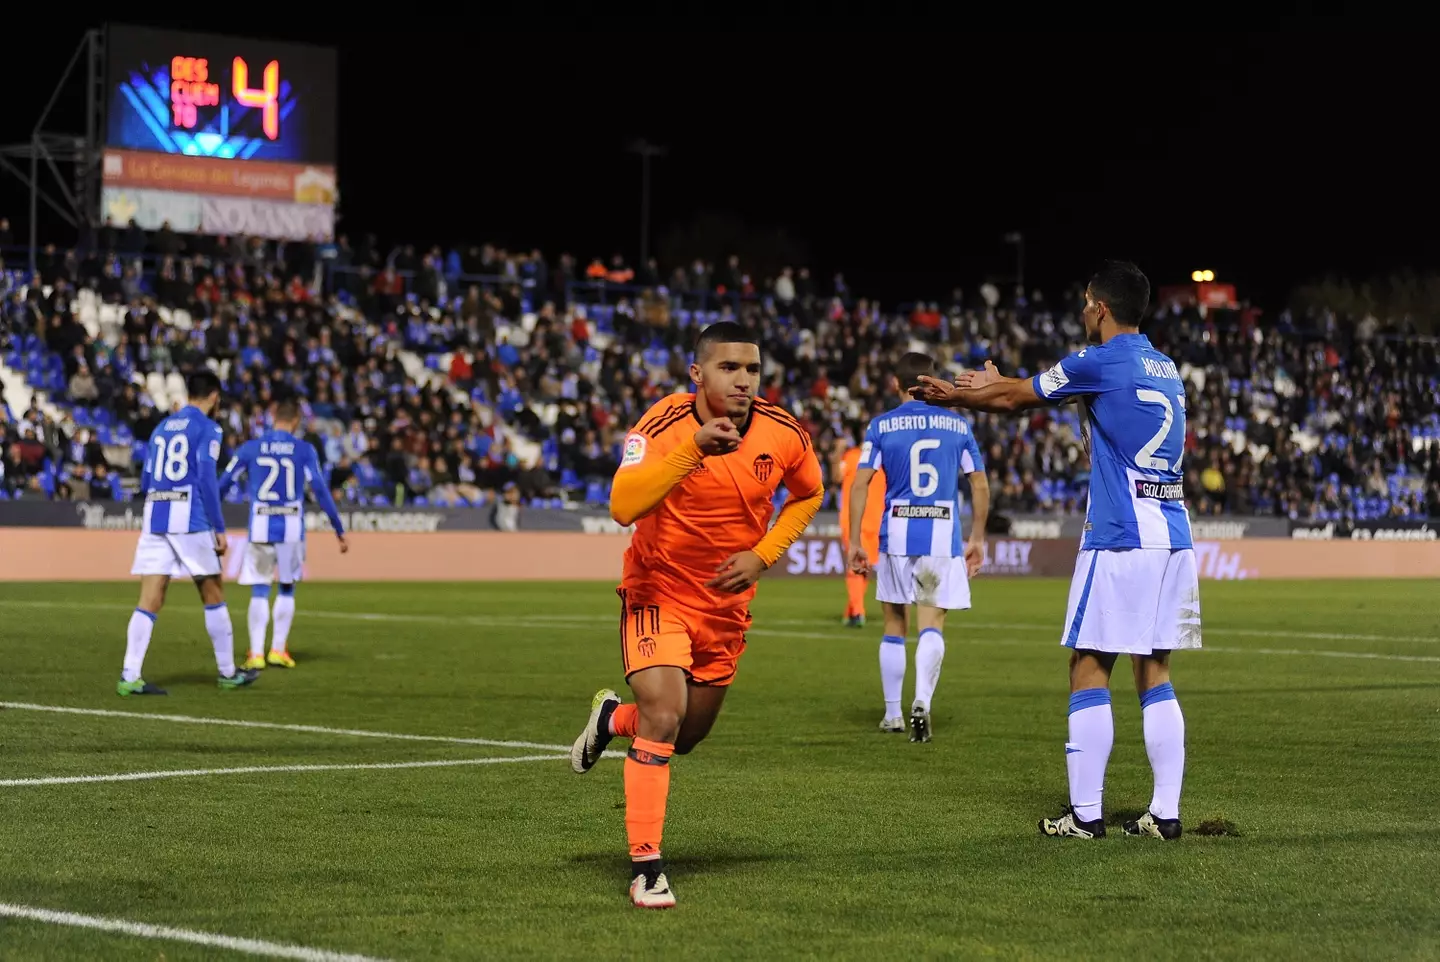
(177, 555)
(922, 580)
(265, 563)
(1134, 602)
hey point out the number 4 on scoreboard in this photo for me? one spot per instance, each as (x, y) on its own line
(266, 97)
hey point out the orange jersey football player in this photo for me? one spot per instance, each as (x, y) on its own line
(845, 468)
(697, 479)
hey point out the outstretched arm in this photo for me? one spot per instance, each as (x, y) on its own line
(984, 390)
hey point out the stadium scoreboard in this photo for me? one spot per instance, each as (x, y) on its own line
(219, 135)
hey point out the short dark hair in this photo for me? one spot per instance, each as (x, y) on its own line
(203, 383)
(910, 367)
(287, 409)
(1125, 290)
(722, 332)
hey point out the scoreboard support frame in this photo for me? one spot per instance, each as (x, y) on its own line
(78, 200)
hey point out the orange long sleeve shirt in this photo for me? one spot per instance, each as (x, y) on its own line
(692, 512)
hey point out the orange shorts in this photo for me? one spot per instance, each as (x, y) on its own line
(658, 631)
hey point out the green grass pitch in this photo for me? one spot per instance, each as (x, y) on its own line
(796, 831)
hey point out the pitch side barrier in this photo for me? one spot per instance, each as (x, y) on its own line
(95, 541)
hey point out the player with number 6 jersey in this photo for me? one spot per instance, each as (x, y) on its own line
(1136, 590)
(923, 559)
(279, 466)
(183, 534)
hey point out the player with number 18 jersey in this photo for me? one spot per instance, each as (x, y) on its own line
(182, 535)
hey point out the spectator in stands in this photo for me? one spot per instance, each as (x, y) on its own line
(82, 387)
(480, 361)
(506, 516)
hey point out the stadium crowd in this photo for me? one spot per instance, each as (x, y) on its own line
(476, 375)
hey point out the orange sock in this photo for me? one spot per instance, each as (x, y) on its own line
(625, 721)
(647, 787)
(855, 585)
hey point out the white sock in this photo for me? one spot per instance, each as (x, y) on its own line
(1092, 733)
(137, 642)
(892, 672)
(222, 636)
(1165, 744)
(284, 618)
(259, 622)
(928, 656)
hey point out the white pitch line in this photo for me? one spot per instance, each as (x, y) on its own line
(1374, 655)
(591, 622)
(282, 726)
(143, 930)
(262, 769)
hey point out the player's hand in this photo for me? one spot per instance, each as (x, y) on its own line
(974, 556)
(859, 561)
(932, 390)
(717, 436)
(738, 573)
(344, 545)
(971, 380)
(222, 545)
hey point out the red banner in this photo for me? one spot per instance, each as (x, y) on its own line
(262, 180)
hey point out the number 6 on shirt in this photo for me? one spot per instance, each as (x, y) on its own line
(924, 478)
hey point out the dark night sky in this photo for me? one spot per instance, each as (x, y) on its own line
(900, 159)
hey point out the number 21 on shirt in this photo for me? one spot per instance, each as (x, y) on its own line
(273, 467)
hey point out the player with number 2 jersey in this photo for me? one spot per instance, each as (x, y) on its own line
(1136, 589)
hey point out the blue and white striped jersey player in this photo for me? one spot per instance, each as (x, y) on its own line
(183, 534)
(1136, 589)
(279, 465)
(923, 562)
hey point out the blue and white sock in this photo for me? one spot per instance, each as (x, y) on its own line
(222, 637)
(284, 617)
(928, 656)
(137, 642)
(259, 621)
(1165, 744)
(892, 672)
(1092, 734)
